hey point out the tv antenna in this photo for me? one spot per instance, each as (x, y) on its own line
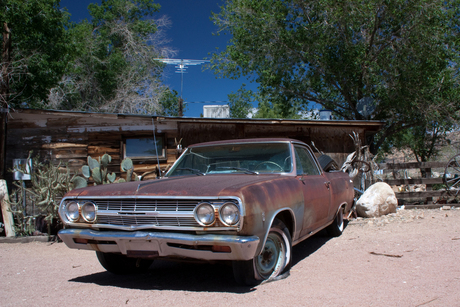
(366, 106)
(181, 66)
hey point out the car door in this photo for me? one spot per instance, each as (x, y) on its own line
(316, 190)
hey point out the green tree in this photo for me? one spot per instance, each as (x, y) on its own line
(34, 50)
(273, 105)
(34, 56)
(115, 68)
(397, 56)
(424, 140)
(170, 104)
(268, 106)
(241, 102)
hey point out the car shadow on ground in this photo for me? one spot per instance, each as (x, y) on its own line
(193, 276)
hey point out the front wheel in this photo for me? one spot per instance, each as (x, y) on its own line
(336, 228)
(274, 260)
(121, 264)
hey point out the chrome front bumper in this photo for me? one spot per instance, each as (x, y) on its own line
(146, 244)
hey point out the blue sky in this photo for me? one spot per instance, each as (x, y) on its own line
(191, 34)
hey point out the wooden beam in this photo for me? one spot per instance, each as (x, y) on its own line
(422, 194)
(414, 181)
(6, 213)
(64, 145)
(406, 165)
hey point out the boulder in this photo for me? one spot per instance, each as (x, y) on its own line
(379, 199)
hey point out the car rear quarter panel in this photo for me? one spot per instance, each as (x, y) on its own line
(342, 191)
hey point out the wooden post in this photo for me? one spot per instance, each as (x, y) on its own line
(7, 215)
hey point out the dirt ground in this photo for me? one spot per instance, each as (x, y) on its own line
(407, 259)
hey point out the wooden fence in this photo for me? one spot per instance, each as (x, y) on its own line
(407, 195)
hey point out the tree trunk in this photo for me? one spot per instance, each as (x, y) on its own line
(4, 94)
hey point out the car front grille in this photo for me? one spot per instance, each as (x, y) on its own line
(149, 213)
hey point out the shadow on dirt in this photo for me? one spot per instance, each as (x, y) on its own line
(198, 277)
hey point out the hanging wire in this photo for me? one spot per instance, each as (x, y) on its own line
(156, 147)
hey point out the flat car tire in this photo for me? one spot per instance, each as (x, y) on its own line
(275, 258)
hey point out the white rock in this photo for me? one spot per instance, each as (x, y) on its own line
(379, 199)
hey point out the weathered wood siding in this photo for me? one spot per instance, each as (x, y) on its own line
(332, 139)
(71, 137)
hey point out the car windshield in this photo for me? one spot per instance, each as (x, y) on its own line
(249, 158)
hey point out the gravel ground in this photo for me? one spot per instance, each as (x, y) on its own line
(405, 259)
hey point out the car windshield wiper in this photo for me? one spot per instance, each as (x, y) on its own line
(193, 170)
(247, 171)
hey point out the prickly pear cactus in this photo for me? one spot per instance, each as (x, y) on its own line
(105, 160)
(126, 164)
(86, 171)
(97, 175)
(92, 163)
(128, 167)
(111, 177)
(98, 171)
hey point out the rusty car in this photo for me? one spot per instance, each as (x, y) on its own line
(245, 201)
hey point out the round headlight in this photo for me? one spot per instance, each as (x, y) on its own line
(88, 212)
(229, 214)
(204, 214)
(72, 211)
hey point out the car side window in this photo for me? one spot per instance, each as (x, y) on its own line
(305, 162)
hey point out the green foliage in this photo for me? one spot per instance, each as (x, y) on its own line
(240, 103)
(424, 140)
(115, 68)
(39, 52)
(170, 104)
(269, 105)
(48, 185)
(97, 170)
(401, 55)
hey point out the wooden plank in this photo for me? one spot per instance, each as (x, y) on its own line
(64, 145)
(70, 156)
(423, 194)
(409, 165)
(6, 212)
(430, 206)
(142, 168)
(414, 181)
(171, 155)
(103, 149)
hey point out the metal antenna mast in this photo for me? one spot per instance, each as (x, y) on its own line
(181, 66)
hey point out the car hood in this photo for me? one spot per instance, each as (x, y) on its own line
(209, 185)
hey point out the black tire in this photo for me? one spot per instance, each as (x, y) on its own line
(337, 226)
(274, 260)
(327, 163)
(121, 264)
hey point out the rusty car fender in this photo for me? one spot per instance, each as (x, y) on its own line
(264, 201)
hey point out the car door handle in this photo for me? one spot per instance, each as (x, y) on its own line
(328, 184)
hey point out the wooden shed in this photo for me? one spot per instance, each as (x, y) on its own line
(71, 137)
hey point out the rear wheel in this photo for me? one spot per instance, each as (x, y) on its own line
(274, 260)
(336, 228)
(121, 264)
